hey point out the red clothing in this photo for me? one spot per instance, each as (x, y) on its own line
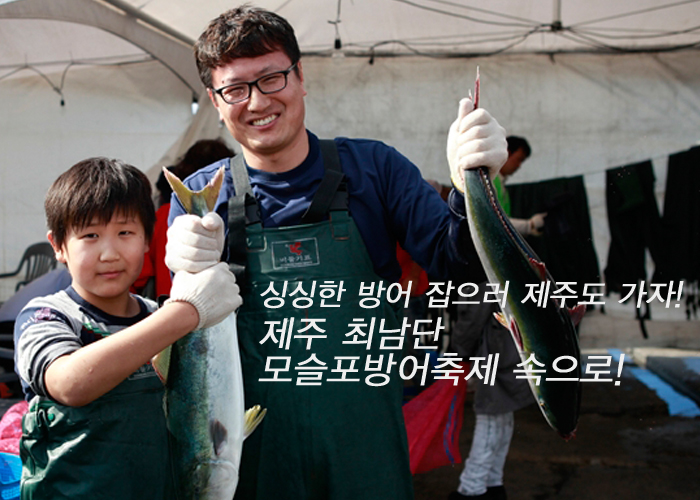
(154, 261)
(410, 271)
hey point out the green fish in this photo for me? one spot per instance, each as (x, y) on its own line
(545, 330)
(204, 400)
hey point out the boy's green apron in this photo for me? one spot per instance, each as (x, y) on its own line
(337, 439)
(113, 448)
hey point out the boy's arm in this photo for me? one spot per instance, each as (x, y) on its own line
(197, 301)
(81, 377)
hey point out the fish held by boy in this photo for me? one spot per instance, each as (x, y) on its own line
(204, 401)
(545, 331)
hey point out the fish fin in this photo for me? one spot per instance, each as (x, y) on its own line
(577, 313)
(210, 193)
(183, 193)
(253, 417)
(539, 267)
(515, 331)
(512, 326)
(218, 434)
(501, 319)
(161, 364)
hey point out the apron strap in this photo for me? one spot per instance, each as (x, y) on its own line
(332, 193)
(242, 209)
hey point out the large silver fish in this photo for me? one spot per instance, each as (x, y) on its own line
(203, 400)
(546, 330)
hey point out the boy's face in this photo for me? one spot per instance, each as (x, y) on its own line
(104, 260)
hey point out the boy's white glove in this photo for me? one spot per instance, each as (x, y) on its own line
(194, 243)
(213, 292)
(475, 140)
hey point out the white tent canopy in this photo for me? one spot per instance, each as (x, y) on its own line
(438, 27)
(591, 84)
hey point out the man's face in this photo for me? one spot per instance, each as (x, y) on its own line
(264, 124)
(513, 162)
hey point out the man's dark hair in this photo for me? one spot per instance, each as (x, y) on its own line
(515, 143)
(243, 32)
(97, 189)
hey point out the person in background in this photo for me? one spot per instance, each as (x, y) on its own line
(477, 333)
(303, 213)
(518, 151)
(155, 279)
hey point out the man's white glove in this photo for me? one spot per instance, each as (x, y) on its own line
(475, 140)
(213, 292)
(194, 243)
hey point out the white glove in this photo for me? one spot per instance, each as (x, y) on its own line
(536, 223)
(194, 243)
(529, 227)
(475, 140)
(213, 292)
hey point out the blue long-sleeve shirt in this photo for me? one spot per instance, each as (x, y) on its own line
(387, 197)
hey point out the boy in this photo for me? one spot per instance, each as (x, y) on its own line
(95, 427)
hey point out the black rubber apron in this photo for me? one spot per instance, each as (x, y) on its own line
(337, 440)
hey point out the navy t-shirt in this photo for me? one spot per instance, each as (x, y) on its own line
(387, 198)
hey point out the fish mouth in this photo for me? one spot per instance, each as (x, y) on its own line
(568, 435)
(261, 122)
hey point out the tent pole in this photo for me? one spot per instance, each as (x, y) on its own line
(556, 21)
(151, 21)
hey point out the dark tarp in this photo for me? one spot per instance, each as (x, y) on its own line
(635, 225)
(566, 247)
(680, 226)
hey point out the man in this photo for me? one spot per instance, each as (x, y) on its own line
(518, 151)
(327, 215)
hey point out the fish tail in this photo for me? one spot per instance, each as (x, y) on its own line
(161, 364)
(181, 191)
(253, 417)
(196, 202)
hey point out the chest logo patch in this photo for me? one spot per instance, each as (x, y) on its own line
(295, 253)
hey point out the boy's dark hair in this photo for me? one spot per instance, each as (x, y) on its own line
(243, 32)
(97, 188)
(516, 142)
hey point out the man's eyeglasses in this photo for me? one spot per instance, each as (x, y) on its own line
(267, 84)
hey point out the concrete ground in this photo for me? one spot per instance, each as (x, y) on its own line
(627, 445)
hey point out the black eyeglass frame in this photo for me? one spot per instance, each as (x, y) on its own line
(284, 72)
